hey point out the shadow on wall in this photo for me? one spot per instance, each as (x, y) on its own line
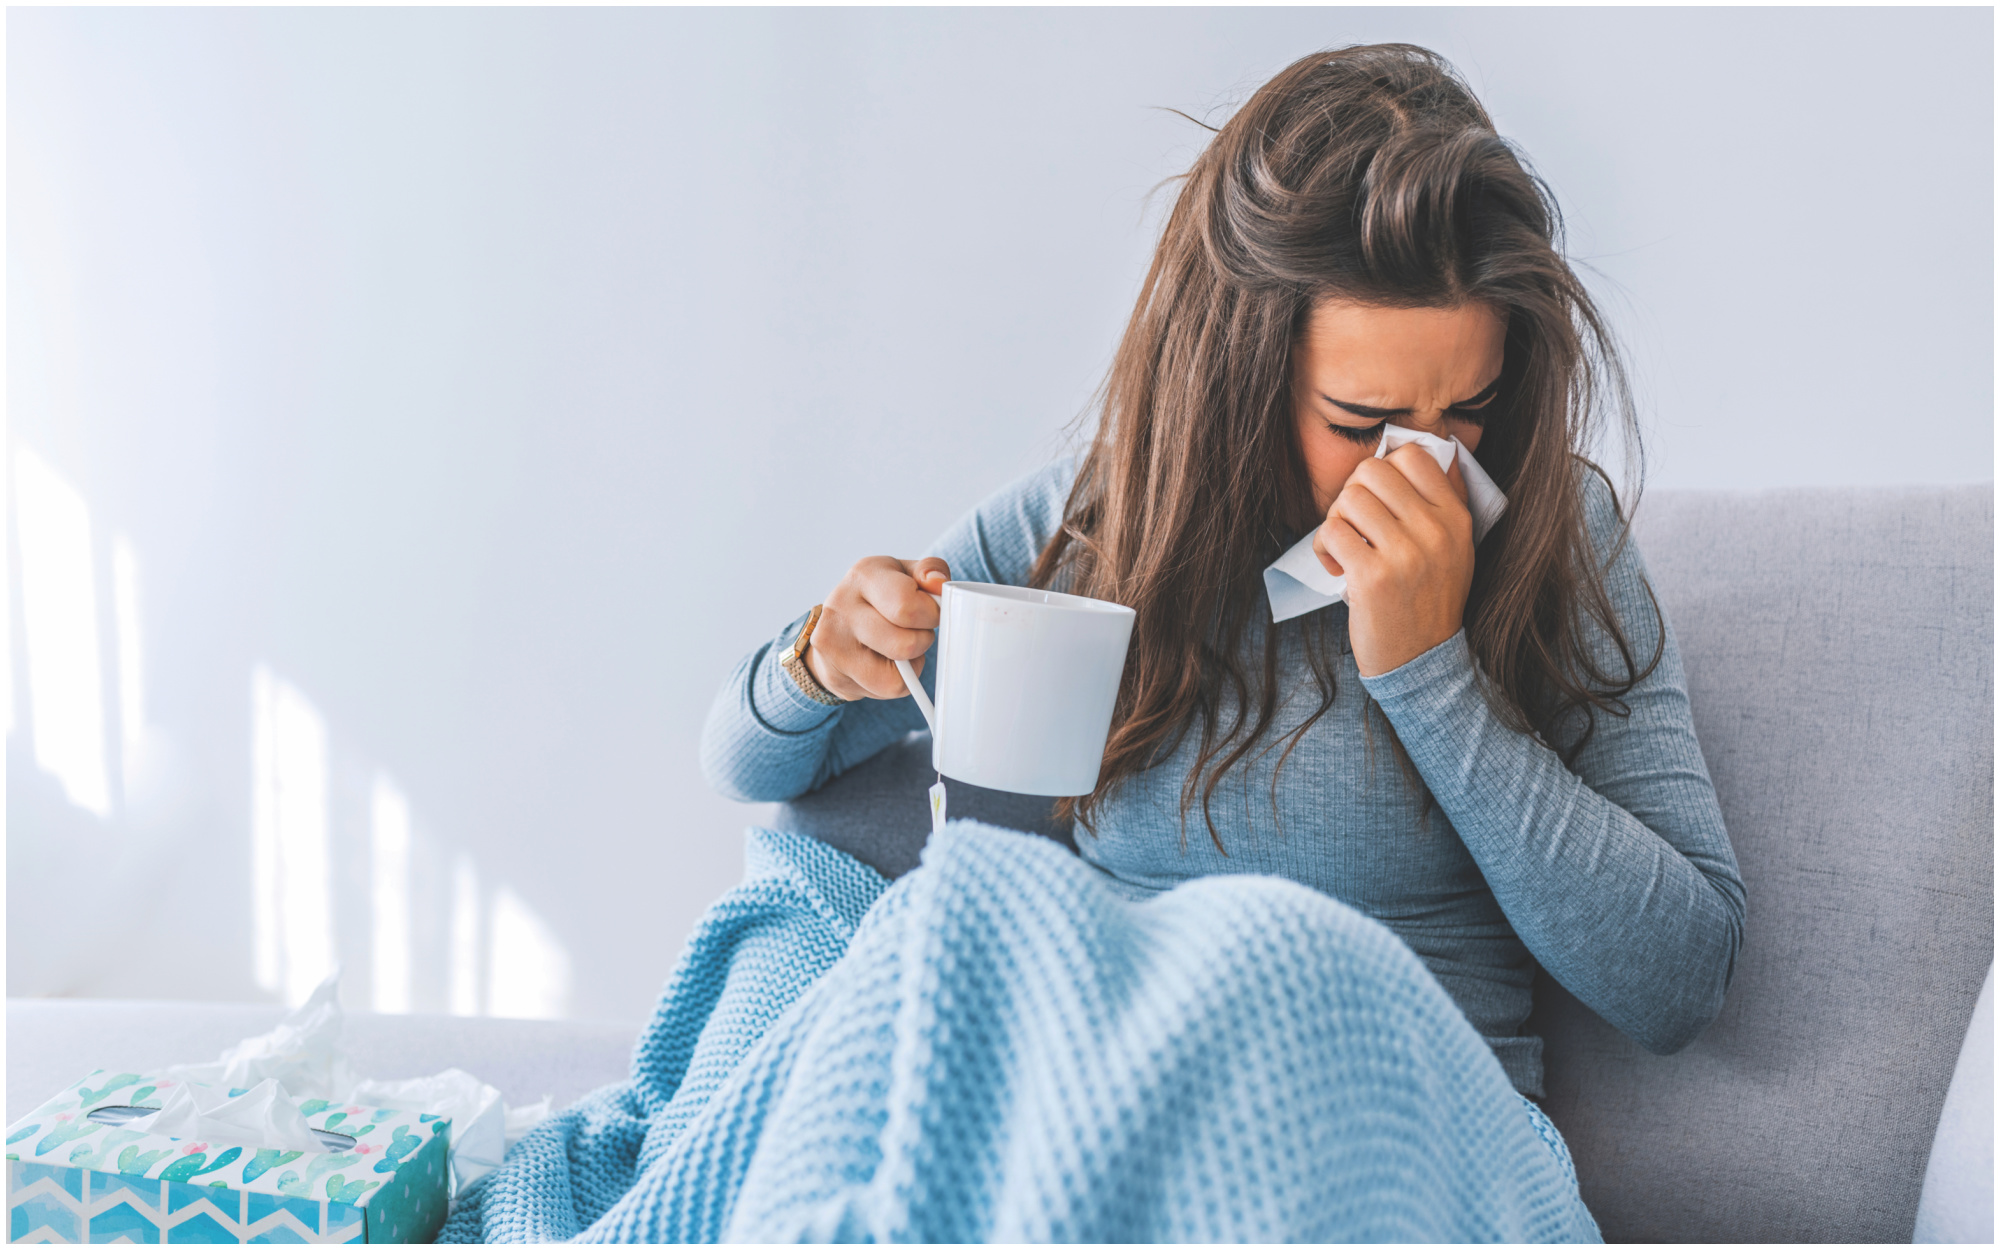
(337, 864)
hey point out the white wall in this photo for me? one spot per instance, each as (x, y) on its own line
(494, 379)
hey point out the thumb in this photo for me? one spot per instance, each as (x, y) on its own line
(931, 572)
(1457, 480)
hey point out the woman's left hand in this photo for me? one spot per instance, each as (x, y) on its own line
(1401, 532)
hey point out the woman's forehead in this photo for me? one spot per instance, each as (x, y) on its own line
(1400, 356)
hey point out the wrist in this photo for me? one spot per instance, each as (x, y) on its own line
(1386, 635)
(799, 662)
(1443, 663)
(775, 695)
(823, 671)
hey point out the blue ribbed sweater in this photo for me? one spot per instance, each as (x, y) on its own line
(1614, 873)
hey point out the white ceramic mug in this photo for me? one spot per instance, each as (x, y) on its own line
(1026, 681)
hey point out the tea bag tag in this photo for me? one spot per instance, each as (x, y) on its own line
(937, 805)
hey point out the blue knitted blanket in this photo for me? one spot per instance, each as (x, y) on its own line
(1007, 1045)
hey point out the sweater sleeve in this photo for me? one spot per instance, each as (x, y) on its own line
(1616, 872)
(766, 742)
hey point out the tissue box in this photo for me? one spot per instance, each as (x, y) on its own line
(74, 1178)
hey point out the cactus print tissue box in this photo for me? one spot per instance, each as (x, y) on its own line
(76, 1174)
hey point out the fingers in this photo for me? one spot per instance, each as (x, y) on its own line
(1368, 514)
(866, 674)
(1432, 484)
(1457, 479)
(1417, 493)
(851, 670)
(905, 611)
(879, 613)
(931, 572)
(1389, 479)
(1339, 546)
(1324, 551)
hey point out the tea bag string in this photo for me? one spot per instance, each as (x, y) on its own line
(924, 705)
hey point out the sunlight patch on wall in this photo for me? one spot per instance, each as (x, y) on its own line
(131, 670)
(6, 588)
(465, 938)
(291, 865)
(389, 863)
(529, 973)
(59, 607)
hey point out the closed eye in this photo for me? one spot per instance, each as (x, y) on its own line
(1366, 435)
(1468, 409)
(1473, 411)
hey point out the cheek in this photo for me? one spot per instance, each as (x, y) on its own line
(1466, 433)
(1330, 459)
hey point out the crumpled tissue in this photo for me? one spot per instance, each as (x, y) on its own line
(478, 1117)
(521, 1119)
(1297, 583)
(263, 1115)
(302, 1058)
(302, 1054)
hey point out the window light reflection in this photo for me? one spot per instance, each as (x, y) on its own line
(390, 887)
(529, 973)
(59, 610)
(131, 671)
(465, 938)
(291, 864)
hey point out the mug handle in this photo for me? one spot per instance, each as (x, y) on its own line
(916, 687)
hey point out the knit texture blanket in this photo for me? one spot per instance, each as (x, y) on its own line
(1008, 1045)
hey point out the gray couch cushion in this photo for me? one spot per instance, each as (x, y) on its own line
(1839, 655)
(1838, 647)
(879, 810)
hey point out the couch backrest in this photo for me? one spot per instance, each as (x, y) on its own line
(1839, 650)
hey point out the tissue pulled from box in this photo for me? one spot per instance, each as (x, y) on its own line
(303, 1056)
(302, 1053)
(261, 1116)
(1297, 583)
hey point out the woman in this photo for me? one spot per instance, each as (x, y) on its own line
(1488, 750)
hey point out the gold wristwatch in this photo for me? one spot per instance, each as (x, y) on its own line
(794, 662)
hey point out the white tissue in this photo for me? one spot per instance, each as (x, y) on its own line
(478, 1117)
(521, 1119)
(302, 1058)
(1297, 583)
(263, 1115)
(180, 1111)
(302, 1053)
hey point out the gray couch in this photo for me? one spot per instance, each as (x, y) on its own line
(1838, 649)
(1839, 653)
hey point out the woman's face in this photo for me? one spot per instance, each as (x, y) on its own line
(1358, 367)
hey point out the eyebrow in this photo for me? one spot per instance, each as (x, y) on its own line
(1363, 410)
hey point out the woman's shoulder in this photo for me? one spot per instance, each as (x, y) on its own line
(998, 540)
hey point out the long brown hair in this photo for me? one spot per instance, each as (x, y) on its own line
(1368, 174)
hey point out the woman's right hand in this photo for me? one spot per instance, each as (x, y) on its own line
(878, 614)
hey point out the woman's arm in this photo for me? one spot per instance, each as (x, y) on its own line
(1619, 875)
(766, 742)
